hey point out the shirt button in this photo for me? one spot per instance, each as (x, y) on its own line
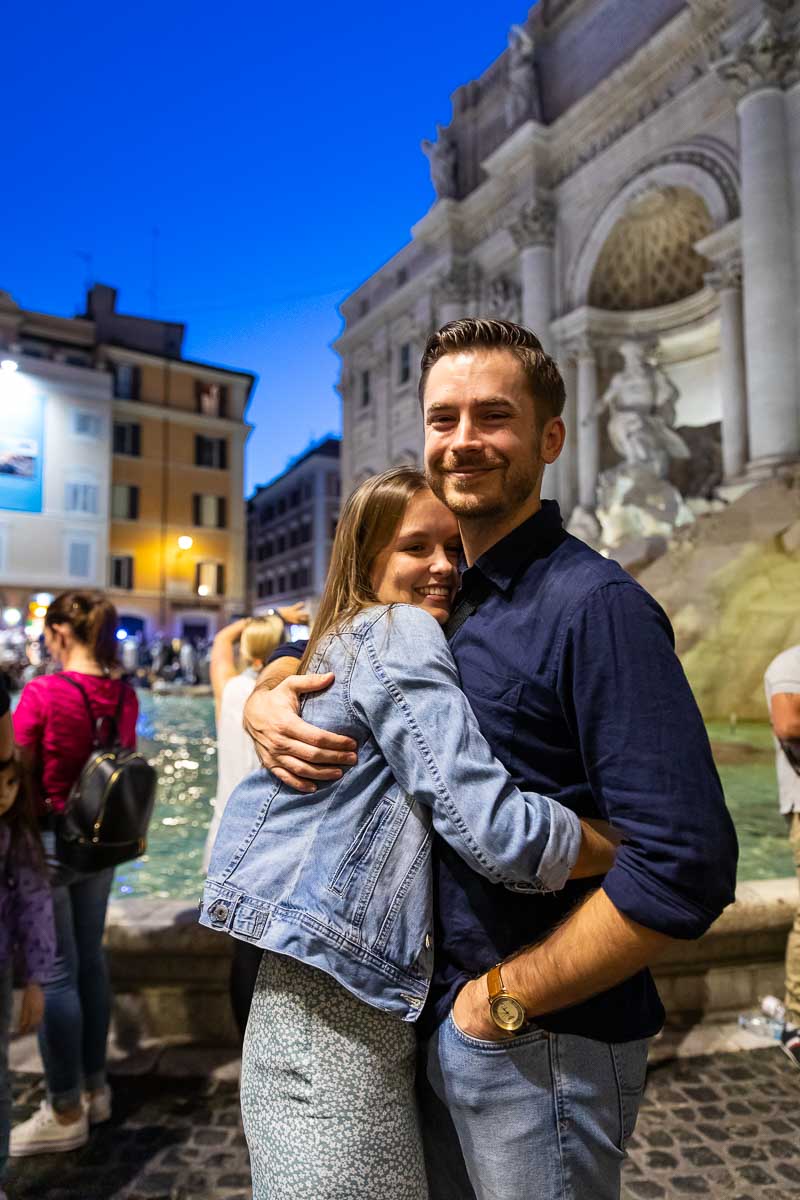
(428, 942)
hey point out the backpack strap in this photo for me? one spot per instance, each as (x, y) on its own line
(470, 601)
(92, 721)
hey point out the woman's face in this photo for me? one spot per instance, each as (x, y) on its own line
(420, 564)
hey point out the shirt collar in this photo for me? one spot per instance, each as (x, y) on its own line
(535, 538)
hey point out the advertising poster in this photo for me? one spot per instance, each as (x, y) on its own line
(21, 449)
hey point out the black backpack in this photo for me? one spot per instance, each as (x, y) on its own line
(109, 807)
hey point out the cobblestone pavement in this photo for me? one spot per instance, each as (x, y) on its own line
(724, 1127)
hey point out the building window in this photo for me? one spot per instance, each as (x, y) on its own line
(210, 452)
(124, 502)
(211, 399)
(209, 511)
(126, 381)
(308, 489)
(334, 523)
(209, 579)
(305, 532)
(281, 543)
(404, 363)
(87, 424)
(294, 497)
(366, 395)
(122, 571)
(363, 307)
(81, 497)
(79, 559)
(401, 277)
(334, 484)
(280, 507)
(128, 438)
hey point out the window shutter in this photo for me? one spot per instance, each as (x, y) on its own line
(196, 509)
(198, 450)
(133, 502)
(220, 579)
(197, 579)
(223, 401)
(223, 454)
(222, 513)
(136, 376)
(136, 440)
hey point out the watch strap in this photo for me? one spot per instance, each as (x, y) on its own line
(494, 982)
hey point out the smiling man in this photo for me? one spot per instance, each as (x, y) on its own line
(534, 1037)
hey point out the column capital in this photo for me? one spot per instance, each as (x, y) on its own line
(535, 224)
(581, 346)
(769, 58)
(726, 276)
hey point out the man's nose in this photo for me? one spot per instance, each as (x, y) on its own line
(466, 435)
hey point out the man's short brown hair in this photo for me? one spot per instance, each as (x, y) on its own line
(488, 333)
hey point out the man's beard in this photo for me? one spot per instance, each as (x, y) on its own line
(514, 487)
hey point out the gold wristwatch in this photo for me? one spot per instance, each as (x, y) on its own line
(507, 1011)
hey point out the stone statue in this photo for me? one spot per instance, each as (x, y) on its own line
(641, 400)
(443, 158)
(522, 99)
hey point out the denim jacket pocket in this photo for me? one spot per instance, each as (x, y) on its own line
(358, 850)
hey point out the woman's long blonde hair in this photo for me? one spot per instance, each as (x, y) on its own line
(368, 522)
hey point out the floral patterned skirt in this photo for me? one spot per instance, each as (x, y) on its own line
(328, 1092)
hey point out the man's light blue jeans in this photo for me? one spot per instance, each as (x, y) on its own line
(542, 1115)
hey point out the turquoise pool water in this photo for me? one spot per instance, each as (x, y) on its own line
(177, 733)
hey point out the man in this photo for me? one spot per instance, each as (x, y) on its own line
(782, 685)
(535, 1071)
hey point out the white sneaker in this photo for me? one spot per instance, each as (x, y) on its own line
(98, 1105)
(43, 1134)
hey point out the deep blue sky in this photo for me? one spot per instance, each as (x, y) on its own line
(274, 146)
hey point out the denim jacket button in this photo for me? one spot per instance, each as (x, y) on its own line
(218, 912)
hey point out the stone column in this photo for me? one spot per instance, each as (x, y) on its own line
(458, 292)
(534, 233)
(758, 71)
(727, 282)
(588, 429)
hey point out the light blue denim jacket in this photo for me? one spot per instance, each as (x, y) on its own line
(341, 879)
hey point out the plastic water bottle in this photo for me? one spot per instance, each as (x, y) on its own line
(761, 1026)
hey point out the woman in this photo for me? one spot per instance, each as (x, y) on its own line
(338, 884)
(236, 756)
(55, 736)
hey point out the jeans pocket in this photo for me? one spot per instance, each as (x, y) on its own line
(629, 1060)
(505, 1044)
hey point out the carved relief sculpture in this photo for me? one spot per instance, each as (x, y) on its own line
(442, 156)
(522, 98)
(641, 400)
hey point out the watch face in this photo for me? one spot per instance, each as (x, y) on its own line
(508, 1013)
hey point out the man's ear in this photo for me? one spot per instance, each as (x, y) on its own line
(554, 435)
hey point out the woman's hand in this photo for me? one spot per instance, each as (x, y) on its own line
(294, 751)
(598, 849)
(32, 1009)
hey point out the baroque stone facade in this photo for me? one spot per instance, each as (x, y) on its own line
(620, 172)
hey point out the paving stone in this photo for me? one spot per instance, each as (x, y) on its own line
(178, 1137)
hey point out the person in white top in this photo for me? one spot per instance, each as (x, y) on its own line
(782, 685)
(236, 756)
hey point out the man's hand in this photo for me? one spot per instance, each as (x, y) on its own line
(32, 1009)
(294, 614)
(294, 751)
(471, 1013)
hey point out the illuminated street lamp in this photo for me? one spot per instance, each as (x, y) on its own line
(185, 542)
(203, 589)
(8, 364)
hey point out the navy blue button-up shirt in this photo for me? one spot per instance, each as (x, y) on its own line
(570, 668)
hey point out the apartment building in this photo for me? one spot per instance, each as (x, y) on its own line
(166, 461)
(291, 522)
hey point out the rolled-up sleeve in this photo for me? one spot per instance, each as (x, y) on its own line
(649, 763)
